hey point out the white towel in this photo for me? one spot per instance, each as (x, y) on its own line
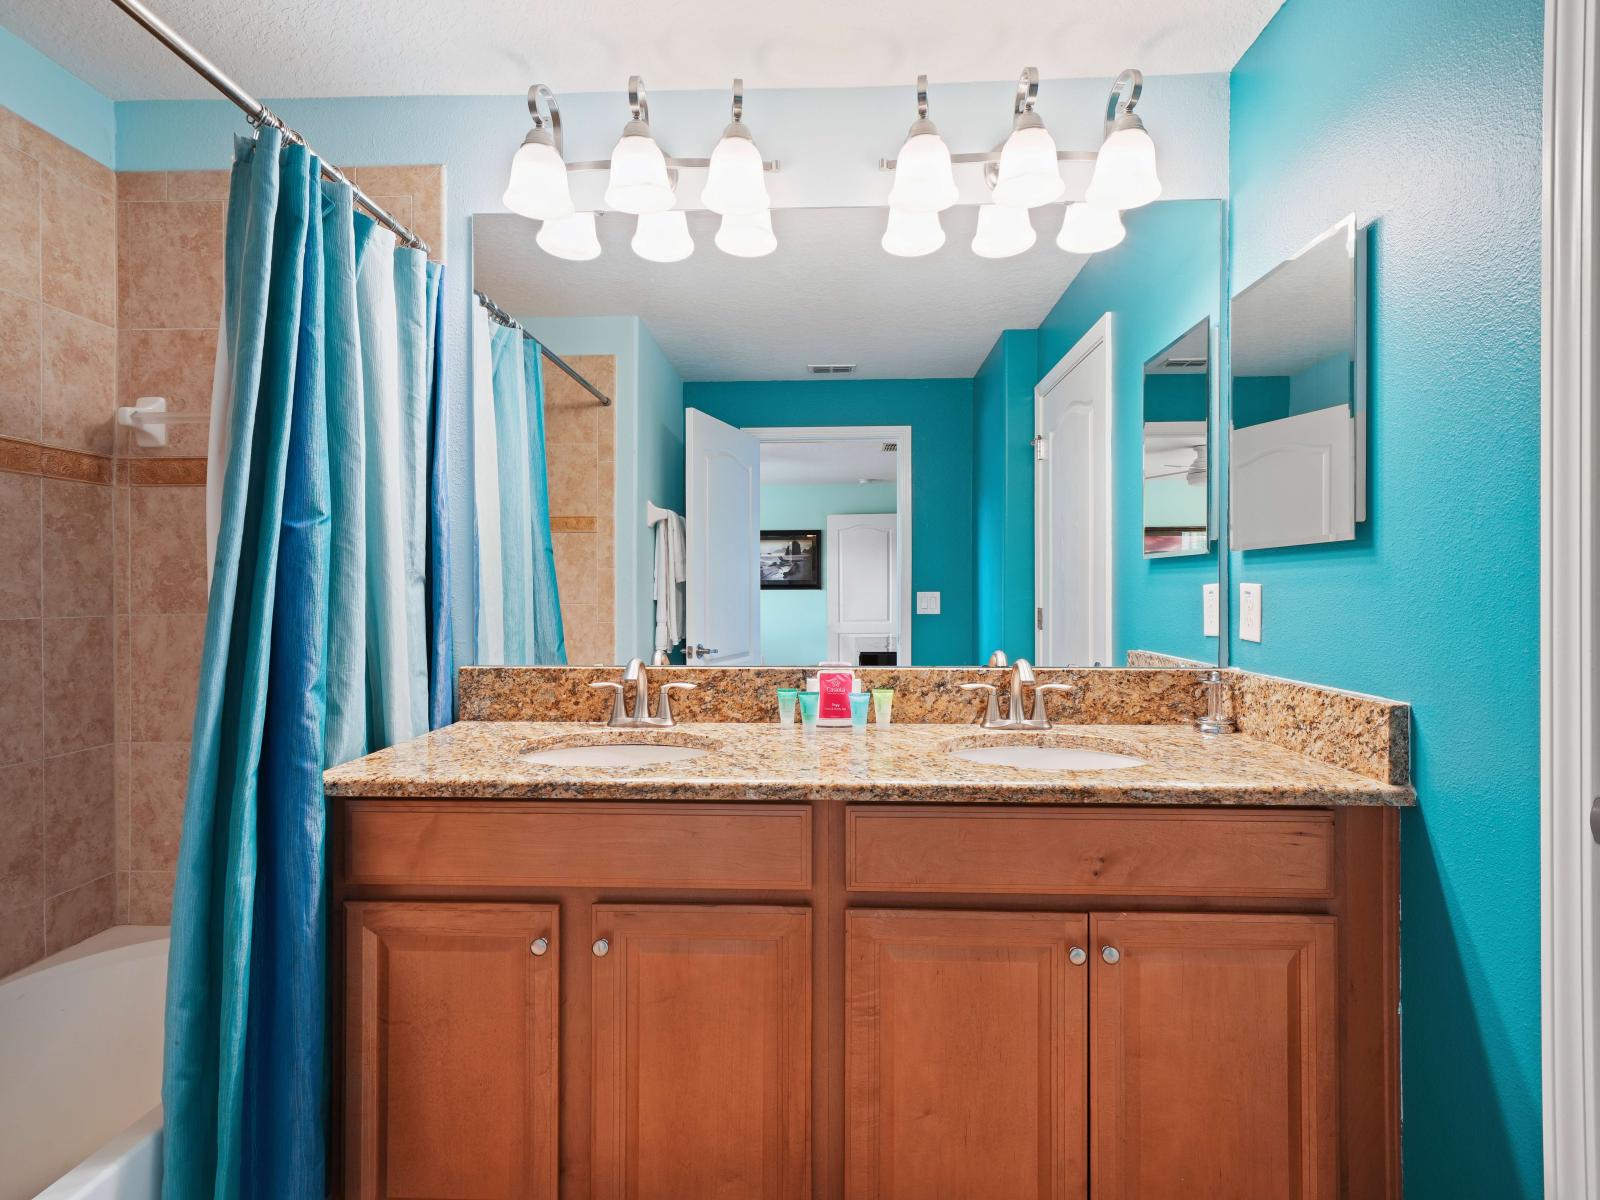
(670, 573)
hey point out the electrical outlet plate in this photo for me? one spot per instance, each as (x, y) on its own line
(1211, 609)
(1250, 612)
(927, 604)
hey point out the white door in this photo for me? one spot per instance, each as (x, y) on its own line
(1293, 481)
(861, 581)
(722, 594)
(1072, 505)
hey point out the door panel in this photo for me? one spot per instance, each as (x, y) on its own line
(1294, 481)
(862, 584)
(966, 1056)
(702, 1053)
(722, 521)
(1214, 1057)
(451, 1046)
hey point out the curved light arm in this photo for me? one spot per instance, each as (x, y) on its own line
(551, 115)
(1027, 91)
(738, 100)
(1125, 94)
(922, 97)
(638, 101)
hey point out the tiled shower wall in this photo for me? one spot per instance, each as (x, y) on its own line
(580, 453)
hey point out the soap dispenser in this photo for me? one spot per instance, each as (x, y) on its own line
(1216, 719)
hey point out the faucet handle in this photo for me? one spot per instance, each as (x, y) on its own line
(664, 703)
(1040, 719)
(619, 711)
(991, 718)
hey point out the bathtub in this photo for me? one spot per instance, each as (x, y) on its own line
(80, 1085)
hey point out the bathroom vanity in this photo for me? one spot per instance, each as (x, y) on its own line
(858, 966)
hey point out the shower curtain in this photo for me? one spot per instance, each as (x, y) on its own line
(321, 643)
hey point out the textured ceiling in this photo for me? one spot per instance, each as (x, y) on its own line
(828, 294)
(282, 48)
(1298, 314)
(849, 461)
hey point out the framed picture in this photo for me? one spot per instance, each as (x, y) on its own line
(791, 559)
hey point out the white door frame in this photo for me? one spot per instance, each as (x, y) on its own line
(1099, 334)
(900, 435)
(1569, 568)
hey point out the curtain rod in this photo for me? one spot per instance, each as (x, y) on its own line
(501, 316)
(257, 113)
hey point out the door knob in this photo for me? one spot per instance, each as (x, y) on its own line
(602, 948)
(540, 945)
(1111, 954)
(1077, 956)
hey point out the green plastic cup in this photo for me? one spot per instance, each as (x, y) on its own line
(882, 703)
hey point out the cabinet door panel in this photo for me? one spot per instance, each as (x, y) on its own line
(1214, 1057)
(966, 1056)
(702, 1053)
(451, 1045)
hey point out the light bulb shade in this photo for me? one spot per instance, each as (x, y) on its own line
(1029, 173)
(538, 186)
(663, 237)
(1090, 228)
(924, 180)
(638, 182)
(1002, 231)
(1125, 169)
(746, 235)
(912, 234)
(736, 181)
(571, 237)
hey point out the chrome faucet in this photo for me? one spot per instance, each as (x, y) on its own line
(1021, 677)
(636, 674)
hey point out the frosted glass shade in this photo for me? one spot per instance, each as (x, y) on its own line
(538, 185)
(1125, 169)
(1090, 228)
(912, 234)
(638, 182)
(1029, 174)
(663, 237)
(924, 180)
(571, 237)
(1002, 232)
(736, 181)
(747, 235)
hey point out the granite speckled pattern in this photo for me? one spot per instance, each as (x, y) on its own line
(909, 763)
(1364, 734)
(1148, 659)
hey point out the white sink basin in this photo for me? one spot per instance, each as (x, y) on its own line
(1047, 758)
(613, 754)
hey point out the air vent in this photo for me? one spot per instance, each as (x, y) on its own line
(1180, 364)
(830, 368)
(891, 447)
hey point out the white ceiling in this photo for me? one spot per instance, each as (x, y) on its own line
(852, 461)
(1300, 313)
(828, 294)
(496, 47)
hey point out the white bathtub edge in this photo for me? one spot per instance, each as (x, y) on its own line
(128, 1167)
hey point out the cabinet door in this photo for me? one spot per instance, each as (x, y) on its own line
(702, 1052)
(450, 1051)
(1214, 1057)
(966, 1056)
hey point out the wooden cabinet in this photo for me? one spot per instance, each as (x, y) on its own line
(966, 1053)
(450, 1051)
(702, 1053)
(1213, 1044)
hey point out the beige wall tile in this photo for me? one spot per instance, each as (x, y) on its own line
(150, 897)
(21, 692)
(121, 530)
(77, 549)
(123, 636)
(170, 265)
(21, 557)
(79, 709)
(77, 248)
(79, 818)
(141, 185)
(176, 364)
(168, 559)
(198, 185)
(79, 396)
(20, 368)
(166, 656)
(574, 482)
(21, 836)
(399, 207)
(19, 224)
(158, 781)
(70, 163)
(80, 913)
(21, 938)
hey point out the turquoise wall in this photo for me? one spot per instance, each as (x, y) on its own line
(939, 412)
(1425, 120)
(794, 625)
(1165, 276)
(39, 90)
(1002, 474)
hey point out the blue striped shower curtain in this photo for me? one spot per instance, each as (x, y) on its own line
(319, 646)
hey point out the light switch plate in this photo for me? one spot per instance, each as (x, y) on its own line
(927, 604)
(1211, 608)
(1250, 612)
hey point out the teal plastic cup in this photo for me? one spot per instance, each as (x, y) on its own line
(860, 703)
(809, 701)
(786, 700)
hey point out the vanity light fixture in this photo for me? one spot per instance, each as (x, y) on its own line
(1125, 169)
(1002, 231)
(924, 181)
(570, 237)
(1030, 174)
(736, 183)
(912, 234)
(663, 237)
(538, 185)
(747, 235)
(639, 180)
(1090, 228)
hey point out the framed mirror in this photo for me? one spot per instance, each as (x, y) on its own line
(1177, 446)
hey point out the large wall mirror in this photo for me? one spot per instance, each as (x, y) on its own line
(874, 459)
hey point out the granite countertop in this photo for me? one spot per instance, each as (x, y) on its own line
(902, 763)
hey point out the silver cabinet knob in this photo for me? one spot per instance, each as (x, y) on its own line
(1111, 954)
(1077, 956)
(602, 948)
(540, 945)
